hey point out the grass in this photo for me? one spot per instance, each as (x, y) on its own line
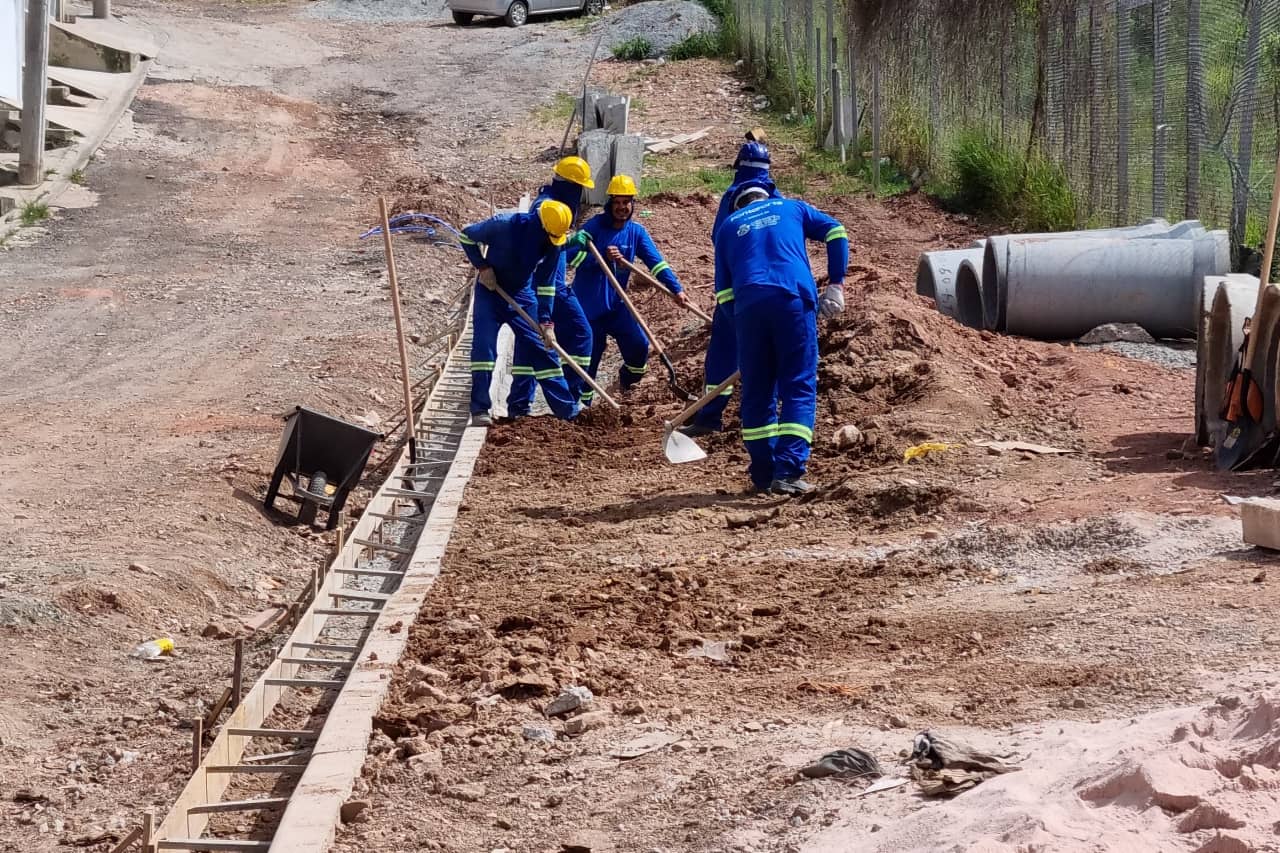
(988, 177)
(33, 212)
(77, 177)
(561, 107)
(680, 176)
(633, 50)
(699, 46)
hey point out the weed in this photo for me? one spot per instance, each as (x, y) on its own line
(1047, 202)
(674, 180)
(989, 177)
(633, 50)
(33, 212)
(558, 111)
(699, 46)
(77, 177)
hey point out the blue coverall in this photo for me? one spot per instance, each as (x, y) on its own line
(572, 330)
(761, 256)
(722, 350)
(521, 255)
(605, 310)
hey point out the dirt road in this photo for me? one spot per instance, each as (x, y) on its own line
(209, 280)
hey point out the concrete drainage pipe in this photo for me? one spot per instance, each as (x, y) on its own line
(995, 264)
(1228, 300)
(969, 307)
(1059, 289)
(936, 276)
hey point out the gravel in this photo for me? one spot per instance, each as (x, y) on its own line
(662, 23)
(378, 10)
(1177, 356)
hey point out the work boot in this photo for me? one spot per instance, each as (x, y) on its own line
(481, 419)
(696, 430)
(790, 486)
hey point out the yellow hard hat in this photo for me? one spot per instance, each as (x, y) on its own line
(557, 219)
(622, 185)
(575, 169)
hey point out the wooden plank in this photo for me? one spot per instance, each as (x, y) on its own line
(240, 806)
(213, 844)
(383, 546)
(416, 520)
(339, 611)
(276, 757)
(282, 734)
(327, 647)
(128, 841)
(359, 595)
(211, 718)
(322, 683)
(346, 664)
(376, 573)
(232, 769)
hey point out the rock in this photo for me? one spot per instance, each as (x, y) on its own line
(353, 810)
(569, 700)
(1079, 703)
(586, 722)
(138, 567)
(469, 792)
(586, 841)
(847, 437)
(897, 722)
(753, 727)
(766, 610)
(422, 690)
(431, 675)
(171, 706)
(536, 732)
(426, 762)
(411, 746)
(1260, 576)
(217, 631)
(633, 709)
(1108, 333)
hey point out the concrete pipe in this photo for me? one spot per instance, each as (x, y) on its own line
(1230, 301)
(1265, 326)
(995, 263)
(936, 276)
(1059, 289)
(969, 308)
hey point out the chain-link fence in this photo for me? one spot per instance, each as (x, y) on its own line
(1145, 107)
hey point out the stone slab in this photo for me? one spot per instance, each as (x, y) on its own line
(1260, 522)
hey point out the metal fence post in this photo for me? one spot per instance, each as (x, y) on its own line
(34, 93)
(768, 38)
(837, 113)
(1248, 111)
(1095, 104)
(1124, 111)
(787, 45)
(1159, 142)
(875, 122)
(1195, 107)
(852, 130)
(819, 82)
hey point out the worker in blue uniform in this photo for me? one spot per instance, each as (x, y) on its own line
(761, 256)
(525, 251)
(572, 330)
(751, 165)
(617, 237)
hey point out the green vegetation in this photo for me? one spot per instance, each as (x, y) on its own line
(33, 212)
(990, 178)
(77, 177)
(679, 175)
(561, 107)
(699, 46)
(633, 50)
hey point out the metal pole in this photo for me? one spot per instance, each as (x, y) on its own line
(1095, 105)
(1124, 112)
(1159, 151)
(791, 60)
(1195, 107)
(852, 130)
(102, 8)
(35, 89)
(819, 83)
(875, 123)
(837, 117)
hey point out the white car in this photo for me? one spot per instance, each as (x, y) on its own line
(517, 12)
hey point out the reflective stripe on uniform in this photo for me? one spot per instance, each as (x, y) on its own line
(759, 433)
(587, 396)
(584, 360)
(466, 241)
(837, 233)
(544, 374)
(723, 296)
(798, 430)
(519, 370)
(638, 370)
(728, 392)
(578, 259)
(662, 267)
(549, 290)
(483, 365)
(753, 164)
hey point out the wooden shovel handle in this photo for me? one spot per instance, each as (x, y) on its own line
(649, 279)
(622, 294)
(702, 401)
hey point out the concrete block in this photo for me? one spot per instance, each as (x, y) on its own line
(587, 109)
(596, 147)
(7, 205)
(628, 156)
(1260, 520)
(612, 112)
(72, 50)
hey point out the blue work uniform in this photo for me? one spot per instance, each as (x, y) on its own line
(722, 350)
(572, 330)
(761, 257)
(526, 264)
(605, 310)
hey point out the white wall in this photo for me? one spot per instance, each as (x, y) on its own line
(11, 12)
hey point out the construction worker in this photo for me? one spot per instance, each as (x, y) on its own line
(571, 176)
(751, 165)
(617, 237)
(525, 254)
(761, 256)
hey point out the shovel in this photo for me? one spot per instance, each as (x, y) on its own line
(564, 356)
(626, 300)
(648, 278)
(678, 447)
(1240, 444)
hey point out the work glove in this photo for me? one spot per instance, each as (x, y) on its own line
(488, 278)
(832, 302)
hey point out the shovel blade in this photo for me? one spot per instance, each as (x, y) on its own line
(679, 448)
